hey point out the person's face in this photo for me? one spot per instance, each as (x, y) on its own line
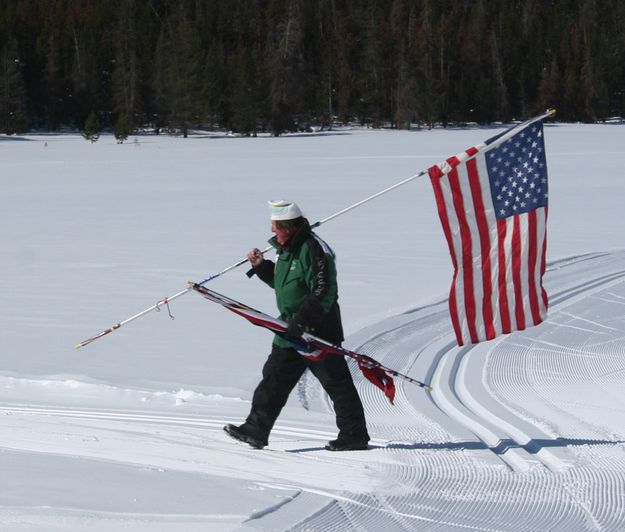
(282, 235)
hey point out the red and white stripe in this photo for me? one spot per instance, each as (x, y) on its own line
(256, 317)
(498, 264)
(376, 373)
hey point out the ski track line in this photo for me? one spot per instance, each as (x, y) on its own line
(110, 415)
(566, 500)
(200, 422)
(413, 463)
(453, 370)
(193, 441)
(416, 463)
(549, 367)
(448, 397)
(475, 404)
(488, 407)
(444, 397)
(178, 451)
(517, 460)
(521, 433)
(373, 512)
(397, 348)
(558, 358)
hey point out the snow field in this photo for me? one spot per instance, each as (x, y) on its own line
(524, 433)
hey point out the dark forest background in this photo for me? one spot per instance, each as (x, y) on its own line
(288, 65)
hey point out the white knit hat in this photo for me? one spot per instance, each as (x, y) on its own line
(284, 210)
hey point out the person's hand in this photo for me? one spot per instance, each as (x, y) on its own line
(294, 330)
(255, 257)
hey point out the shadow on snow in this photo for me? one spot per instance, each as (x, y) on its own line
(532, 447)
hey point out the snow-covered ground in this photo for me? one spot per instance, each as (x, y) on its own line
(526, 432)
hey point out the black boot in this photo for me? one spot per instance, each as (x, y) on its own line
(242, 433)
(343, 443)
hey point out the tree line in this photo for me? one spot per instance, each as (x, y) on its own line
(289, 65)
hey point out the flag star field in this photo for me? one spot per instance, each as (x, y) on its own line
(517, 171)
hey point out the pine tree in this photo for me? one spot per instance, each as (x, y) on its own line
(374, 76)
(404, 93)
(12, 94)
(281, 65)
(428, 93)
(86, 29)
(177, 81)
(246, 89)
(213, 84)
(55, 50)
(122, 128)
(125, 77)
(287, 78)
(92, 127)
(246, 93)
(342, 87)
(595, 93)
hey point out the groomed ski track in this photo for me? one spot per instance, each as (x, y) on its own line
(521, 411)
(537, 414)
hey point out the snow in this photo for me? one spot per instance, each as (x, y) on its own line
(526, 432)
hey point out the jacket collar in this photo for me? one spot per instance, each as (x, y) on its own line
(296, 241)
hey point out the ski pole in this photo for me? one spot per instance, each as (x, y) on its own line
(166, 300)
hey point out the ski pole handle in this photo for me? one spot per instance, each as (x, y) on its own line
(232, 267)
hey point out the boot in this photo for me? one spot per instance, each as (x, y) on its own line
(348, 444)
(242, 433)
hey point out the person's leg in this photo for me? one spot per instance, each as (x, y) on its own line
(336, 380)
(283, 369)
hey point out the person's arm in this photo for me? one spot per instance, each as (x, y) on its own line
(318, 303)
(260, 266)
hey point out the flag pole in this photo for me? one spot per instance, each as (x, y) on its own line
(374, 196)
(166, 300)
(547, 113)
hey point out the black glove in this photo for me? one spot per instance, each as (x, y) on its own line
(294, 330)
(308, 316)
(310, 313)
(264, 271)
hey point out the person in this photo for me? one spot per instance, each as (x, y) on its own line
(304, 280)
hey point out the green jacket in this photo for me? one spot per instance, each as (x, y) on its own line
(304, 279)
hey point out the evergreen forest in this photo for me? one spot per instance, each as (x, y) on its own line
(278, 66)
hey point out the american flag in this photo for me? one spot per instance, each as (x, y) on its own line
(492, 202)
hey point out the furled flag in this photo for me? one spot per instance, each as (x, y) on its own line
(312, 347)
(492, 202)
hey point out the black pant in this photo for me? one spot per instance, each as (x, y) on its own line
(283, 369)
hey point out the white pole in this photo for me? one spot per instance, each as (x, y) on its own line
(378, 194)
(166, 300)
